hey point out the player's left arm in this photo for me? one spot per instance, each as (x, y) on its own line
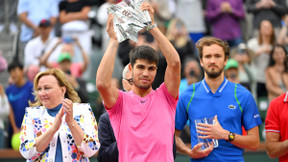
(173, 70)
(250, 141)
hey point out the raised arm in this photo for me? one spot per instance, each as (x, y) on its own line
(12, 120)
(84, 56)
(44, 58)
(282, 37)
(172, 74)
(108, 92)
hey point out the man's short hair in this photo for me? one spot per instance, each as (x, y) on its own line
(15, 65)
(208, 41)
(145, 53)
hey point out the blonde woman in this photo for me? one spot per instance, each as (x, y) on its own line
(57, 127)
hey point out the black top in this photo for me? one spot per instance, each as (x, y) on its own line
(72, 6)
(108, 151)
(273, 14)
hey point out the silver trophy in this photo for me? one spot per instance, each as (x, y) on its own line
(129, 19)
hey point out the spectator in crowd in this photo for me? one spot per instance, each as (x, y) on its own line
(262, 46)
(65, 60)
(39, 45)
(223, 13)
(72, 70)
(4, 112)
(3, 63)
(192, 15)
(230, 104)
(277, 72)
(140, 104)
(31, 12)
(178, 36)
(192, 72)
(231, 71)
(276, 128)
(57, 127)
(19, 93)
(127, 80)
(271, 10)
(246, 66)
(74, 20)
(32, 71)
(282, 37)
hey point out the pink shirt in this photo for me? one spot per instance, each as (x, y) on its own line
(75, 68)
(144, 126)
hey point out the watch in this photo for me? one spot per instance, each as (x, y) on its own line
(231, 137)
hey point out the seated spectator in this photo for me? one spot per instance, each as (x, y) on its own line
(223, 13)
(4, 112)
(127, 80)
(73, 73)
(262, 46)
(231, 71)
(271, 10)
(246, 66)
(39, 45)
(64, 61)
(30, 13)
(282, 37)
(32, 71)
(277, 72)
(191, 13)
(192, 72)
(18, 93)
(3, 63)
(179, 37)
(74, 20)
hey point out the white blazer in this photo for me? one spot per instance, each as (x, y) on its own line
(37, 120)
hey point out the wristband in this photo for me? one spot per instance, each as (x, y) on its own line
(151, 27)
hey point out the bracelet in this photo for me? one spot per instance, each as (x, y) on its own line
(151, 27)
(72, 125)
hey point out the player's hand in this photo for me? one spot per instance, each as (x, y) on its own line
(146, 6)
(197, 153)
(110, 27)
(212, 131)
